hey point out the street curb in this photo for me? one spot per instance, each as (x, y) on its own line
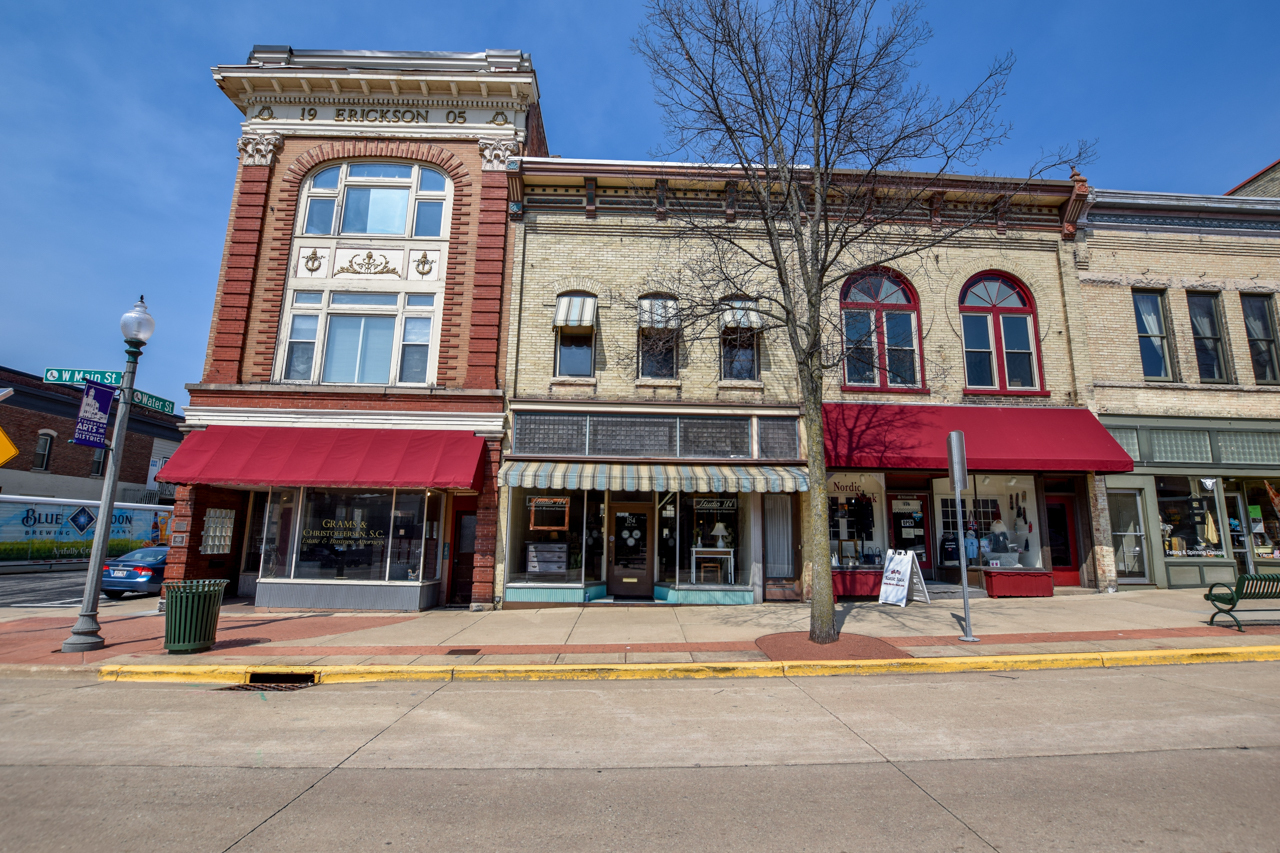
(242, 674)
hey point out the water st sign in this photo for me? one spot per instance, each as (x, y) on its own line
(151, 401)
(95, 408)
(74, 376)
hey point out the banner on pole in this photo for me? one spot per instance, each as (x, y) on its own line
(95, 409)
(902, 581)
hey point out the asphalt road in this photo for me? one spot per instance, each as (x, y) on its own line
(1172, 758)
(46, 589)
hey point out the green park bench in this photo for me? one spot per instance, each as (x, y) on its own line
(1248, 588)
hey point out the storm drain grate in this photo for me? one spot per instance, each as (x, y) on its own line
(277, 688)
(463, 652)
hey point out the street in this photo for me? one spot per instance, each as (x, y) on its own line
(1153, 758)
(43, 589)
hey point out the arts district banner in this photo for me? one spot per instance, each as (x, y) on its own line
(46, 532)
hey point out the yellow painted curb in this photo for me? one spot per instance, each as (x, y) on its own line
(240, 674)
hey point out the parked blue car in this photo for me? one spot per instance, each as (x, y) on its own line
(138, 571)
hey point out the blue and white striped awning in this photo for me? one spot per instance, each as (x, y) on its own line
(576, 309)
(621, 477)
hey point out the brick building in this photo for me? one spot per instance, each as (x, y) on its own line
(346, 431)
(40, 419)
(1180, 346)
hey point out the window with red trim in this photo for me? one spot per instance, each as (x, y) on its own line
(881, 331)
(998, 318)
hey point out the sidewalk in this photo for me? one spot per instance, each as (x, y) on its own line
(1125, 621)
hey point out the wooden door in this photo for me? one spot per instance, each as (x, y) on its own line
(631, 550)
(463, 562)
(1063, 551)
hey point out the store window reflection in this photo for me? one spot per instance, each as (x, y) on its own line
(1189, 522)
(1262, 500)
(1127, 535)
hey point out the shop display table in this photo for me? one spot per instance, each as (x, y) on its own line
(712, 565)
(1014, 583)
(860, 581)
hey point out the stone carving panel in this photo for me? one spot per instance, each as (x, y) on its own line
(369, 263)
(259, 149)
(312, 262)
(424, 265)
(494, 153)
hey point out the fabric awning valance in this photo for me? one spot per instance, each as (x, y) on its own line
(578, 309)
(620, 477)
(337, 458)
(997, 438)
(659, 313)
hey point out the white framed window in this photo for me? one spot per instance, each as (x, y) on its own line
(388, 199)
(44, 450)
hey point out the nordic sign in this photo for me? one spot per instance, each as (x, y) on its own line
(151, 401)
(95, 409)
(74, 376)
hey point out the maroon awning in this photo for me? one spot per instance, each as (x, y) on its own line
(997, 438)
(337, 458)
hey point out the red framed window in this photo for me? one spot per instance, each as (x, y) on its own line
(881, 332)
(998, 319)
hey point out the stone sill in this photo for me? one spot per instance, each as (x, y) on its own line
(740, 385)
(389, 390)
(580, 381)
(658, 383)
(1187, 386)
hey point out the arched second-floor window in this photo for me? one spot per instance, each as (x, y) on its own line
(881, 331)
(998, 319)
(658, 337)
(369, 197)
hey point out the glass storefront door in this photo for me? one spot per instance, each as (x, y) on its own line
(1238, 527)
(631, 550)
(1128, 536)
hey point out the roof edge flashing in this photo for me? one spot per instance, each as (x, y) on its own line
(490, 60)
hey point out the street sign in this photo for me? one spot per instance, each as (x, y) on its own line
(95, 409)
(8, 449)
(73, 376)
(151, 401)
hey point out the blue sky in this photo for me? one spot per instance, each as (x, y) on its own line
(119, 151)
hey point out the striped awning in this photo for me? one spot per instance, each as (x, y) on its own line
(656, 312)
(740, 314)
(620, 477)
(576, 309)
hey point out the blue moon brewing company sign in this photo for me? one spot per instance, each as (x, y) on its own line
(38, 531)
(95, 409)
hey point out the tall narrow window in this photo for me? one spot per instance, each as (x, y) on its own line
(881, 330)
(99, 461)
(1259, 324)
(1148, 310)
(659, 332)
(1206, 329)
(575, 335)
(302, 347)
(416, 349)
(44, 447)
(999, 326)
(358, 349)
(739, 341)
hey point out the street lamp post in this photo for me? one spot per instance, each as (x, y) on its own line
(137, 326)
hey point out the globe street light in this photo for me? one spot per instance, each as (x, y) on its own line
(136, 325)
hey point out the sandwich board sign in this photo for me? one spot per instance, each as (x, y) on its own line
(903, 581)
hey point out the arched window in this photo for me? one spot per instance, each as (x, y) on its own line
(998, 318)
(658, 337)
(881, 331)
(366, 198)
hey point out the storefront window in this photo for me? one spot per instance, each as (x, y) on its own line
(549, 536)
(1189, 521)
(854, 507)
(278, 530)
(345, 534)
(710, 541)
(1262, 498)
(1001, 527)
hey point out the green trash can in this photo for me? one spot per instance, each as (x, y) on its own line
(191, 615)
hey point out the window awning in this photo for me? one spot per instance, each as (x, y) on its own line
(337, 458)
(740, 314)
(576, 310)
(620, 477)
(997, 438)
(658, 313)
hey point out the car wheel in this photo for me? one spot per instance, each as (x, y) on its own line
(113, 594)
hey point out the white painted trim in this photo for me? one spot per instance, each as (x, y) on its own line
(197, 416)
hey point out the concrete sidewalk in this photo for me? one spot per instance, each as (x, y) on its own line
(1125, 621)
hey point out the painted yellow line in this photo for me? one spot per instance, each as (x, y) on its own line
(241, 674)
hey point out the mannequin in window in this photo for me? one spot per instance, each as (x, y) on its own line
(999, 537)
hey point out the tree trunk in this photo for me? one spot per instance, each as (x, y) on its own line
(816, 537)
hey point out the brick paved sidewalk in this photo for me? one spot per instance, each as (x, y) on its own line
(1148, 619)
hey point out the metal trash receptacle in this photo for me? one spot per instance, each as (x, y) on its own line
(191, 614)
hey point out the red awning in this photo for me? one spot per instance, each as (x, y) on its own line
(997, 438)
(337, 458)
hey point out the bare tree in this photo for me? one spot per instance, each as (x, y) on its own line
(833, 161)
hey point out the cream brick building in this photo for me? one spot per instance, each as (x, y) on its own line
(1180, 299)
(675, 471)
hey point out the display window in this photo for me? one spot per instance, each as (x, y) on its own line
(1262, 499)
(855, 519)
(711, 530)
(557, 536)
(1000, 527)
(1190, 523)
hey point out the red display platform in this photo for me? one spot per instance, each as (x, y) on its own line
(1011, 583)
(857, 581)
